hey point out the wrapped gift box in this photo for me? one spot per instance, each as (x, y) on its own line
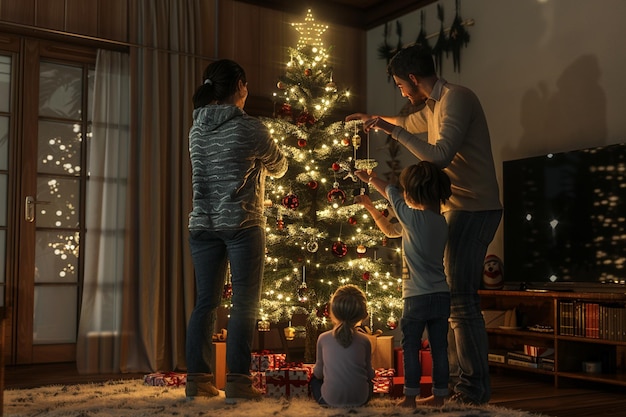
(218, 364)
(259, 382)
(383, 381)
(165, 379)
(382, 385)
(265, 360)
(426, 360)
(382, 352)
(288, 382)
(397, 386)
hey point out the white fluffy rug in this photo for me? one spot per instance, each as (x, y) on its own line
(134, 398)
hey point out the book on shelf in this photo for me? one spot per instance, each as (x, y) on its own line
(524, 364)
(521, 356)
(497, 356)
(546, 364)
(538, 351)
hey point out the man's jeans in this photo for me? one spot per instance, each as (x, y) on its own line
(211, 251)
(470, 234)
(429, 311)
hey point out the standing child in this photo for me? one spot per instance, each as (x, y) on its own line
(426, 294)
(343, 369)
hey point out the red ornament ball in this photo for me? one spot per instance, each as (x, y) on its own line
(352, 220)
(323, 311)
(336, 196)
(392, 323)
(313, 185)
(340, 249)
(291, 201)
(280, 224)
(345, 142)
(336, 167)
(308, 72)
(302, 143)
(366, 276)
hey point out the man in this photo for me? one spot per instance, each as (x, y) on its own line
(451, 131)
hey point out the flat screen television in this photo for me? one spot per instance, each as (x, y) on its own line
(565, 220)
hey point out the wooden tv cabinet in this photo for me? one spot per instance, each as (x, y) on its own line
(586, 330)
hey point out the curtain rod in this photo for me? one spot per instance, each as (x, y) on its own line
(120, 46)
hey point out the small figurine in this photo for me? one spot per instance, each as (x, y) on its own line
(493, 271)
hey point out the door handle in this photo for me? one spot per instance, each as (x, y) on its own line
(29, 208)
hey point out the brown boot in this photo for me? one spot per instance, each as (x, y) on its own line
(432, 401)
(239, 387)
(200, 385)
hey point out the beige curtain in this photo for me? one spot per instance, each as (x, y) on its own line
(159, 288)
(100, 318)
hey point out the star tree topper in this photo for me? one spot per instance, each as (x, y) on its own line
(310, 32)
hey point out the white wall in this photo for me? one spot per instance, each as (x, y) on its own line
(550, 73)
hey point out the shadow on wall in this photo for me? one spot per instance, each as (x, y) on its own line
(572, 117)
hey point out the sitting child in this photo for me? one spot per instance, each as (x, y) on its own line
(343, 373)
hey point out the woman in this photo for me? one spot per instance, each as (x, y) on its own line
(231, 155)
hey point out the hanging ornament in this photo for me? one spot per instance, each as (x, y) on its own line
(366, 276)
(227, 292)
(280, 85)
(285, 112)
(336, 196)
(336, 166)
(345, 142)
(312, 185)
(303, 290)
(312, 246)
(308, 72)
(305, 119)
(360, 250)
(263, 326)
(339, 249)
(302, 143)
(352, 220)
(291, 201)
(392, 322)
(356, 141)
(280, 223)
(367, 164)
(323, 311)
(290, 332)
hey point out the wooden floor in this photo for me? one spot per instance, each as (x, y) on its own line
(517, 391)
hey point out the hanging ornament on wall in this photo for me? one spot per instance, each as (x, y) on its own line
(459, 37)
(339, 249)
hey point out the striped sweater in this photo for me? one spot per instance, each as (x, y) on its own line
(231, 154)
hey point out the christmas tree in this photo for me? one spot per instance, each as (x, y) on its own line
(317, 238)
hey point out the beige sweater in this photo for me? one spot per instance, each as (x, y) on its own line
(451, 131)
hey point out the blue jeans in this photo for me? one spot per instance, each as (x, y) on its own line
(470, 234)
(429, 311)
(211, 251)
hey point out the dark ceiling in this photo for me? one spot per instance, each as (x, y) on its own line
(362, 14)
